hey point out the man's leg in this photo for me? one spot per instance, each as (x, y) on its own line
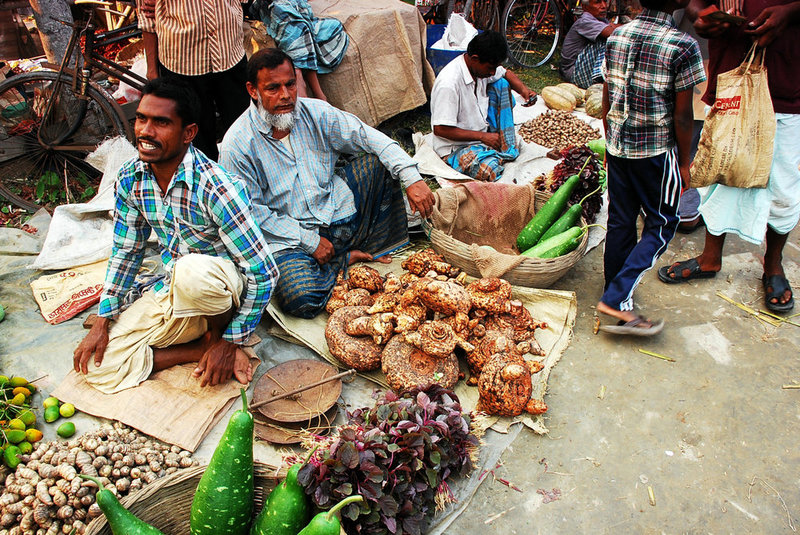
(656, 183)
(477, 161)
(230, 95)
(304, 285)
(500, 116)
(588, 64)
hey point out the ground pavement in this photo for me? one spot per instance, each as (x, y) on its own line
(713, 434)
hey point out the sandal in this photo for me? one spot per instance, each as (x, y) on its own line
(779, 285)
(675, 273)
(635, 327)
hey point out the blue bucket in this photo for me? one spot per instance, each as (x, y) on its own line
(438, 58)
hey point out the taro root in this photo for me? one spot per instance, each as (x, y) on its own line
(365, 277)
(359, 352)
(379, 326)
(520, 326)
(407, 367)
(437, 339)
(504, 387)
(409, 312)
(445, 297)
(491, 343)
(491, 294)
(422, 262)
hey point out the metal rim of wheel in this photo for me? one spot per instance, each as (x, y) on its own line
(532, 29)
(24, 161)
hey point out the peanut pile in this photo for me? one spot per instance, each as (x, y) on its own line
(45, 496)
(557, 129)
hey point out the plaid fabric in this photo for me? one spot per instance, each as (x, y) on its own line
(648, 61)
(203, 211)
(312, 43)
(479, 161)
(294, 196)
(589, 65)
(380, 222)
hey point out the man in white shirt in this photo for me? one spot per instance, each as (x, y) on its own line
(471, 109)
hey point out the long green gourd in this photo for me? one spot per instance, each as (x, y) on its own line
(287, 508)
(120, 520)
(548, 214)
(326, 523)
(567, 220)
(555, 245)
(223, 502)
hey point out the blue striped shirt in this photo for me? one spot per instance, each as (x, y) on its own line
(204, 210)
(295, 192)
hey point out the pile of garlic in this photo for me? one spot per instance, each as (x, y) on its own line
(45, 496)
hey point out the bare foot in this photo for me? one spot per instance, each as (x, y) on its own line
(242, 369)
(361, 256)
(624, 315)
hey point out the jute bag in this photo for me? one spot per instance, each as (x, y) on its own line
(735, 146)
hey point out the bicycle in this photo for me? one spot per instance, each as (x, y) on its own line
(533, 29)
(51, 119)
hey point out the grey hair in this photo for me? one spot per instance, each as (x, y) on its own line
(585, 3)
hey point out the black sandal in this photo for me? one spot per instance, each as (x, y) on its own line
(673, 274)
(779, 285)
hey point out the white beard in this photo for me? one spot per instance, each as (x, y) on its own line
(282, 121)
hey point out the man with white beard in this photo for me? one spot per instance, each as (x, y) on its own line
(317, 218)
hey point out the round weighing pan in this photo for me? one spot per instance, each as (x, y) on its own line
(289, 433)
(301, 407)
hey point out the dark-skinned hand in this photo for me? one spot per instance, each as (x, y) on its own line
(324, 251)
(769, 24)
(216, 364)
(95, 342)
(493, 140)
(420, 198)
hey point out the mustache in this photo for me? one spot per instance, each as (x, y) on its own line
(149, 140)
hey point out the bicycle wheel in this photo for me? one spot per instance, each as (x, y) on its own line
(532, 29)
(36, 173)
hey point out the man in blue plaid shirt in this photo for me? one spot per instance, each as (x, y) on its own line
(651, 68)
(220, 272)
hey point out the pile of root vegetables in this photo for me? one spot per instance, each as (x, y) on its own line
(45, 496)
(414, 326)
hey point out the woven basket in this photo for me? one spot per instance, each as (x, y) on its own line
(532, 272)
(167, 503)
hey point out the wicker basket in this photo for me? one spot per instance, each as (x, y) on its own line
(167, 503)
(532, 272)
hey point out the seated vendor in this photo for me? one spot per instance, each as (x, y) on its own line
(584, 47)
(316, 217)
(471, 109)
(219, 271)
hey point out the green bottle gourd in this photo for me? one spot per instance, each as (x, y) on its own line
(326, 522)
(568, 220)
(287, 508)
(223, 502)
(120, 520)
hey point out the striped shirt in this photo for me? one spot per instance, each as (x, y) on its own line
(204, 210)
(294, 196)
(648, 61)
(196, 36)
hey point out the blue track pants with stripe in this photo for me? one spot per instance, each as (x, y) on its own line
(649, 185)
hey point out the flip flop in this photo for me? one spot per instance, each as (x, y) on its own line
(633, 328)
(779, 285)
(677, 269)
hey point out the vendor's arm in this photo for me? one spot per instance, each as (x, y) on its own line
(707, 28)
(772, 22)
(348, 134)
(454, 133)
(518, 86)
(147, 23)
(230, 207)
(282, 230)
(130, 237)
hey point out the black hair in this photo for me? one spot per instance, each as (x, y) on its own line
(266, 58)
(489, 46)
(181, 92)
(657, 5)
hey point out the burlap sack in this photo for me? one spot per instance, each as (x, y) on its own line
(735, 146)
(486, 214)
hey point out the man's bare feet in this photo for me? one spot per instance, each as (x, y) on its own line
(242, 369)
(361, 256)
(629, 323)
(623, 315)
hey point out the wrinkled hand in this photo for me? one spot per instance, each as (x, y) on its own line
(710, 28)
(769, 24)
(324, 251)
(420, 198)
(95, 342)
(148, 8)
(493, 140)
(216, 364)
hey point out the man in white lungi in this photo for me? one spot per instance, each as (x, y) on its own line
(219, 269)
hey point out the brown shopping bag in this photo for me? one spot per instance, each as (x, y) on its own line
(735, 146)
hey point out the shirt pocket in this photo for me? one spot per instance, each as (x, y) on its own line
(195, 236)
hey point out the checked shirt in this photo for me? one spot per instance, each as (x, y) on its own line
(648, 61)
(204, 210)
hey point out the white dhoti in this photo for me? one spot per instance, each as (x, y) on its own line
(201, 286)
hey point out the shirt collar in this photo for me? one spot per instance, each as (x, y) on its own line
(468, 79)
(184, 172)
(656, 16)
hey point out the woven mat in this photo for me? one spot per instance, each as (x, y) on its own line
(557, 308)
